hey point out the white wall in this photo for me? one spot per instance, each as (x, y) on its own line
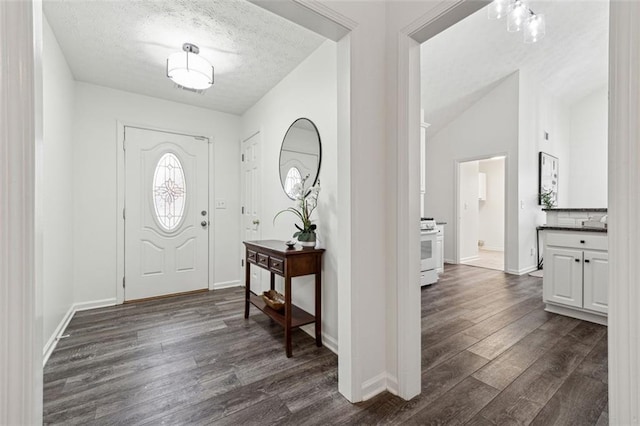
(487, 128)
(58, 115)
(491, 210)
(588, 151)
(97, 111)
(308, 91)
(538, 112)
(469, 211)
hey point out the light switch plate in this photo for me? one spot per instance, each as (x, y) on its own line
(221, 203)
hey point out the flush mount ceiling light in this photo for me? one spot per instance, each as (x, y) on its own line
(189, 70)
(519, 18)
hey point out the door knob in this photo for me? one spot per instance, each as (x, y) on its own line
(204, 223)
(256, 222)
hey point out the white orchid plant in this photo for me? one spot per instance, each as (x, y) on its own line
(306, 202)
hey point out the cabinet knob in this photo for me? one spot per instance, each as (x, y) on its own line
(581, 241)
(577, 260)
(587, 261)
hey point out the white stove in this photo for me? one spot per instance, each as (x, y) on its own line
(428, 263)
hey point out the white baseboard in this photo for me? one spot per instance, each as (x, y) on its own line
(62, 326)
(374, 386)
(94, 304)
(59, 331)
(492, 248)
(522, 271)
(392, 384)
(225, 284)
(449, 261)
(469, 259)
(328, 342)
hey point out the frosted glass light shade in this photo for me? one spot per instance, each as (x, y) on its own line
(498, 9)
(534, 29)
(190, 70)
(517, 17)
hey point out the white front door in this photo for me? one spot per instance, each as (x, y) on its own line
(166, 213)
(251, 199)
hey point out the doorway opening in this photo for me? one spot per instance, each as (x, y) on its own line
(481, 212)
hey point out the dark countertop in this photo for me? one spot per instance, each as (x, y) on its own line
(558, 209)
(570, 228)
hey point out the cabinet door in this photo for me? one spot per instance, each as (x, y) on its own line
(439, 255)
(596, 281)
(562, 282)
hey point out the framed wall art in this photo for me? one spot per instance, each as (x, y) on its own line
(548, 178)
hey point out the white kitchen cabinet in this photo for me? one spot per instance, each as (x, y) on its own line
(576, 274)
(440, 250)
(563, 276)
(596, 280)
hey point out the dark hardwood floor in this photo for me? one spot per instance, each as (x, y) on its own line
(490, 355)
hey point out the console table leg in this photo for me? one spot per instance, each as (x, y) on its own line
(273, 281)
(319, 305)
(247, 288)
(287, 315)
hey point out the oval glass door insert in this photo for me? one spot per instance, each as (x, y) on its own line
(293, 177)
(169, 191)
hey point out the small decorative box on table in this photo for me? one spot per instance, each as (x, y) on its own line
(275, 257)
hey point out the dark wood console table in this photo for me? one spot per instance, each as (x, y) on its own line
(275, 257)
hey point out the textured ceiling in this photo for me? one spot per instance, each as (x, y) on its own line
(465, 62)
(125, 44)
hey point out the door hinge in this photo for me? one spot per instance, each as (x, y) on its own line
(123, 214)
(123, 283)
(242, 209)
(243, 158)
(242, 262)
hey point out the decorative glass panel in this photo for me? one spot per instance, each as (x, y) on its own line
(169, 191)
(293, 177)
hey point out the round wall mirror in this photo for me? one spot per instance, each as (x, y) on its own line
(300, 156)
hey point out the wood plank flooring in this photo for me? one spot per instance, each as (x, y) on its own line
(490, 355)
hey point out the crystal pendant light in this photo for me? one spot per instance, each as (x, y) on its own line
(498, 9)
(534, 28)
(517, 17)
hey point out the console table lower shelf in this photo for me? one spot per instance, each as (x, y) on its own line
(299, 317)
(287, 263)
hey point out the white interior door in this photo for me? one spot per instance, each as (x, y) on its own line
(468, 217)
(166, 213)
(251, 228)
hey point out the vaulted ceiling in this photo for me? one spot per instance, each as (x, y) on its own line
(124, 45)
(465, 62)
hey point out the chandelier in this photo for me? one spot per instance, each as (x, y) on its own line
(189, 70)
(519, 18)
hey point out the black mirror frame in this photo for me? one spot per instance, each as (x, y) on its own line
(319, 153)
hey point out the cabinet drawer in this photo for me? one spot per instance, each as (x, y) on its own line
(263, 259)
(276, 265)
(252, 256)
(577, 240)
